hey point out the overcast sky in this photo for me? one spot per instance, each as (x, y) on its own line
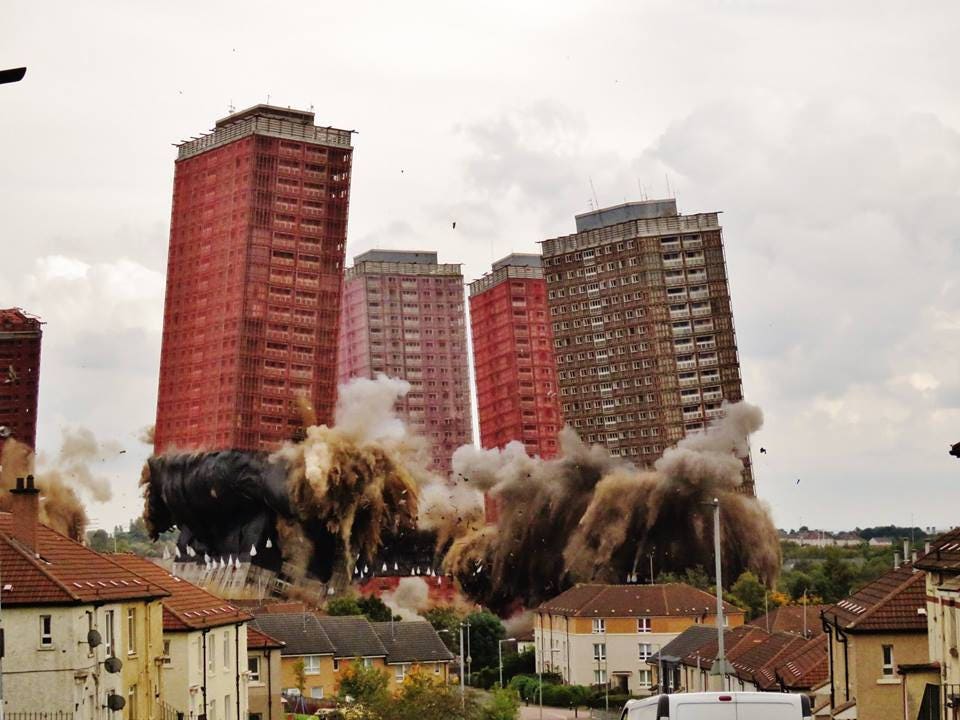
(828, 134)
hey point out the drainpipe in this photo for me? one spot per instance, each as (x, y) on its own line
(236, 661)
(204, 686)
(269, 686)
(842, 638)
(828, 629)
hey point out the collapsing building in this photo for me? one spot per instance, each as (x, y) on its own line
(20, 338)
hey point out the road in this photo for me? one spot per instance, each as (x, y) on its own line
(533, 713)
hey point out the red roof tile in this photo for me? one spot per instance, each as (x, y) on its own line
(894, 602)
(63, 571)
(808, 667)
(188, 607)
(756, 662)
(257, 639)
(944, 554)
(789, 618)
(610, 601)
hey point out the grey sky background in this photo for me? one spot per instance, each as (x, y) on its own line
(828, 134)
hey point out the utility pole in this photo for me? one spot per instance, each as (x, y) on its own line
(463, 697)
(720, 667)
(499, 654)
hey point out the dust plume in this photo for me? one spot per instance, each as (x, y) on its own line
(60, 506)
(316, 508)
(410, 599)
(147, 435)
(589, 516)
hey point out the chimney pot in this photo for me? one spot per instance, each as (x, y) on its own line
(906, 551)
(896, 559)
(25, 511)
(926, 547)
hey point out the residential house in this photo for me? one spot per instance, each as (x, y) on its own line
(204, 647)
(606, 634)
(758, 660)
(263, 688)
(942, 565)
(82, 632)
(354, 641)
(869, 634)
(803, 620)
(413, 646)
(305, 641)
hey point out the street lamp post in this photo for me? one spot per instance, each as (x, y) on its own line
(469, 655)
(500, 655)
(720, 667)
(445, 631)
(540, 677)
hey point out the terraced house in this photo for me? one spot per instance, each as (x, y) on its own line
(83, 634)
(607, 634)
(205, 667)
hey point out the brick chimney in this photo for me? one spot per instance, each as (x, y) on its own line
(25, 509)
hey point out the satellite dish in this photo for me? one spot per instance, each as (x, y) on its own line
(94, 639)
(113, 664)
(115, 702)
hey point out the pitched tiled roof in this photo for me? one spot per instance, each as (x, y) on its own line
(894, 602)
(789, 618)
(188, 607)
(733, 641)
(806, 668)
(686, 643)
(352, 636)
(63, 571)
(411, 642)
(633, 601)
(301, 632)
(258, 640)
(759, 655)
(944, 554)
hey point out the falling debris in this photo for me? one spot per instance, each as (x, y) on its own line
(763, 451)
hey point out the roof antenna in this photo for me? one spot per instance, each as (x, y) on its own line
(594, 191)
(669, 191)
(231, 108)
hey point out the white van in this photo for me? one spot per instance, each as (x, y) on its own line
(720, 706)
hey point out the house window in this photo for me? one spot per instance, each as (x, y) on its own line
(311, 664)
(211, 654)
(317, 692)
(227, 708)
(368, 662)
(226, 650)
(599, 651)
(46, 631)
(643, 625)
(401, 671)
(166, 652)
(253, 665)
(599, 625)
(436, 668)
(131, 631)
(645, 677)
(599, 677)
(646, 650)
(132, 703)
(888, 659)
(336, 665)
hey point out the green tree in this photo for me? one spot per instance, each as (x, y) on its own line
(300, 675)
(504, 704)
(446, 621)
(375, 609)
(695, 576)
(344, 606)
(100, 541)
(833, 579)
(422, 696)
(364, 685)
(485, 632)
(750, 594)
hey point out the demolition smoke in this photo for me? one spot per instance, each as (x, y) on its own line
(320, 506)
(352, 498)
(60, 505)
(589, 516)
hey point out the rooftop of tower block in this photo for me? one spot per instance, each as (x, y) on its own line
(648, 218)
(642, 210)
(519, 260)
(269, 120)
(401, 262)
(525, 266)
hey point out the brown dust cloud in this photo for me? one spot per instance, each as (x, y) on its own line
(351, 494)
